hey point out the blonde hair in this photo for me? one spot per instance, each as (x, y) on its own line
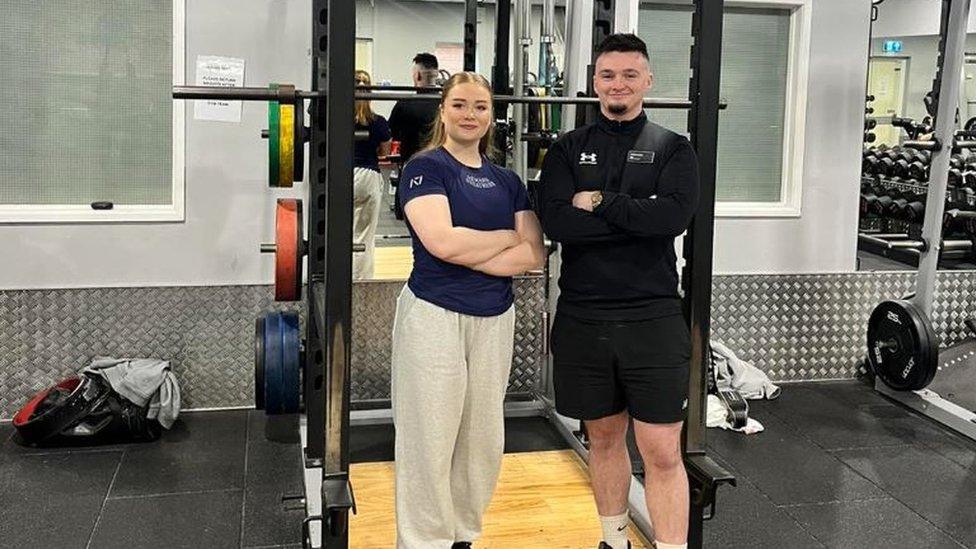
(364, 112)
(437, 134)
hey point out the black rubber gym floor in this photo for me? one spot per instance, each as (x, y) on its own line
(838, 466)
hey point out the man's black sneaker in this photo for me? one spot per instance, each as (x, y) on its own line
(461, 545)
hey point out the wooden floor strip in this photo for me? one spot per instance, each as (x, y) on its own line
(543, 500)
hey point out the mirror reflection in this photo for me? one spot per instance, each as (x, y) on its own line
(895, 168)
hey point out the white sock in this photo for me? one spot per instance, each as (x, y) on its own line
(661, 545)
(615, 530)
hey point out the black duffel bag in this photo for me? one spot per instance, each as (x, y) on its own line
(82, 410)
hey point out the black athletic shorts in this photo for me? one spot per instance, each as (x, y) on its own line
(601, 368)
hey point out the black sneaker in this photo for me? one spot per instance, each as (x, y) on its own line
(461, 545)
(603, 545)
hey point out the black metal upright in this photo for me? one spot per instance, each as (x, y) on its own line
(470, 34)
(706, 64)
(603, 23)
(703, 129)
(500, 74)
(314, 346)
(337, 178)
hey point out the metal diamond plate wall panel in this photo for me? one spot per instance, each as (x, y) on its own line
(373, 308)
(799, 327)
(374, 305)
(807, 327)
(795, 327)
(207, 333)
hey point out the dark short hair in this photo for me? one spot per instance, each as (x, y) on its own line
(622, 43)
(426, 60)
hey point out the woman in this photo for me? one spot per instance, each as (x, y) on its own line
(472, 230)
(367, 182)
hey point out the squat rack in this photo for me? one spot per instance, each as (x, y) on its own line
(329, 296)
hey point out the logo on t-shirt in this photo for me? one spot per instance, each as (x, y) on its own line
(588, 158)
(479, 182)
(416, 181)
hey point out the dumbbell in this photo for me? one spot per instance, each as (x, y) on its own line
(880, 205)
(959, 221)
(956, 177)
(867, 201)
(886, 166)
(870, 165)
(900, 168)
(958, 162)
(914, 212)
(918, 169)
(896, 208)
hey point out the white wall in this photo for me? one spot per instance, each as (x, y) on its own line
(912, 18)
(823, 239)
(229, 208)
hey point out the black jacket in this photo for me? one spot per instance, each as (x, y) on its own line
(618, 262)
(410, 124)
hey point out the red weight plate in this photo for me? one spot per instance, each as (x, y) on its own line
(288, 250)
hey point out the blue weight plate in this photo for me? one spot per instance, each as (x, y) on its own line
(291, 360)
(282, 385)
(273, 367)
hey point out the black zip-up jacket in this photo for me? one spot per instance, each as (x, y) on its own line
(618, 262)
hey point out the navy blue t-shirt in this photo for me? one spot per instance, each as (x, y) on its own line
(364, 155)
(483, 199)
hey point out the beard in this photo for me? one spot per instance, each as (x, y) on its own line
(617, 108)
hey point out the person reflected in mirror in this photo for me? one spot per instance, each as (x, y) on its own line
(367, 181)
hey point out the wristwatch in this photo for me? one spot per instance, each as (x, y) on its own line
(595, 199)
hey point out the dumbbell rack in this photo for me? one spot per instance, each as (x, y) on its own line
(890, 223)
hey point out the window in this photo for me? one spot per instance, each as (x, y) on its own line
(364, 55)
(87, 111)
(763, 80)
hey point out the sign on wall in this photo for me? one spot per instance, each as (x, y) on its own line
(225, 72)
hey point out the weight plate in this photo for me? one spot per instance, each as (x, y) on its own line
(282, 380)
(288, 250)
(259, 362)
(274, 141)
(273, 367)
(903, 349)
(291, 361)
(286, 147)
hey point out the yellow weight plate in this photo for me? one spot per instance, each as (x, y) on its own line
(286, 136)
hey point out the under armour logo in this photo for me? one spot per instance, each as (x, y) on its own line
(587, 158)
(684, 405)
(416, 181)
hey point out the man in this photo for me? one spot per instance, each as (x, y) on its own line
(615, 194)
(411, 121)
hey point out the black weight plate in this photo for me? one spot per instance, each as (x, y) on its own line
(902, 347)
(259, 363)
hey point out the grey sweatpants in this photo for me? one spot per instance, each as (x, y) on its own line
(367, 198)
(450, 372)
